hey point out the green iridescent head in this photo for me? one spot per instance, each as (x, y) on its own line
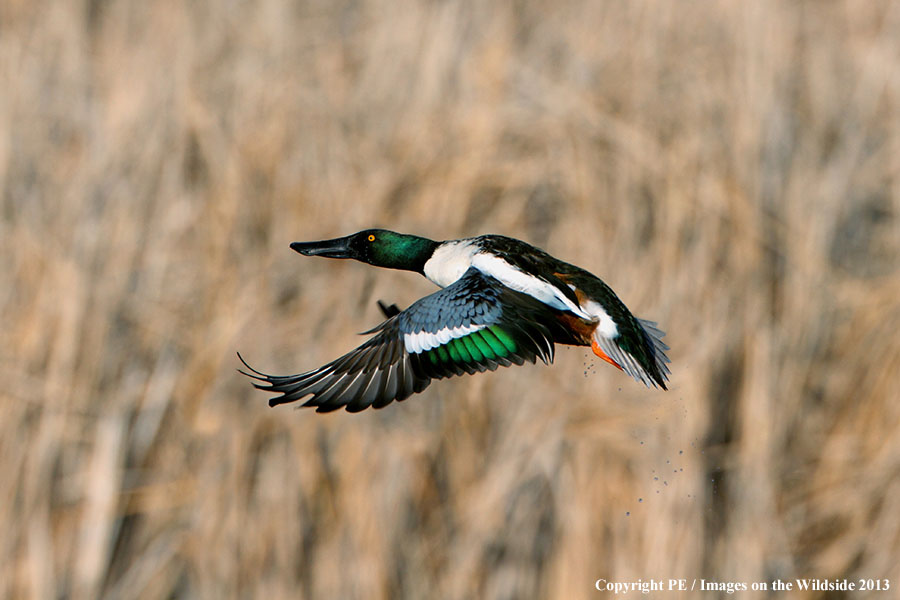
(378, 247)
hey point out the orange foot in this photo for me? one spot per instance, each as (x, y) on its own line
(603, 355)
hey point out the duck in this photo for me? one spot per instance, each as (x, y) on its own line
(501, 302)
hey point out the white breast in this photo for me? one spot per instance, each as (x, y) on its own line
(449, 262)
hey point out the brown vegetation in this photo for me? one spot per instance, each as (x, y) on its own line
(732, 169)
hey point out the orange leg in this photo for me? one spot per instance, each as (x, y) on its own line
(603, 355)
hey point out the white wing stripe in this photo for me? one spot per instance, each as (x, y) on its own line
(422, 341)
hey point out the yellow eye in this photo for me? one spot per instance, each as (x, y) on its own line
(371, 237)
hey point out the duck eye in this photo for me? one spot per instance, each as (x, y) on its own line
(371, 237)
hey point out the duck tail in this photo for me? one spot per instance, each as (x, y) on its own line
(641, 354)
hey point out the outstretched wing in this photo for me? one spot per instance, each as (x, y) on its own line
(472, 325)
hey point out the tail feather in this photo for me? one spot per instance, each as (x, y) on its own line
(656, 335)
(648, 364)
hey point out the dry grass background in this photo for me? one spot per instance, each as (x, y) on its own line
(732, 169)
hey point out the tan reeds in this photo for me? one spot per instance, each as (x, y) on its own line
(730, 168)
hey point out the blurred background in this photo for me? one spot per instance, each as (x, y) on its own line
(731, 169)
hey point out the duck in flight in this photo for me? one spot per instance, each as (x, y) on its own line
(501, 302)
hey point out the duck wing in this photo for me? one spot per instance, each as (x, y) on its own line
(472, 325)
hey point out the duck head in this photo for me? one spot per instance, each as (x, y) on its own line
(378, 247)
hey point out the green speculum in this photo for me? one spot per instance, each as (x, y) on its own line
(490, 343)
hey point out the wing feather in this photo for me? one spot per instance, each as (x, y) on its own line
(412, 347)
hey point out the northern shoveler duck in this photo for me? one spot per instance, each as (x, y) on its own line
(502, 302)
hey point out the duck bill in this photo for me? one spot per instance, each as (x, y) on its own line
(336, 248)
